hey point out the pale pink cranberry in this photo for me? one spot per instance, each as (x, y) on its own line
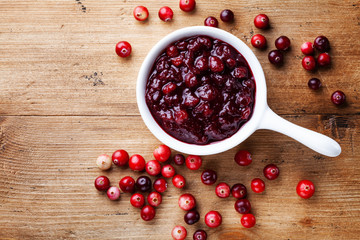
(103, 162)
(187, 202)
(141, 13)
(179, 233)
(113, 193)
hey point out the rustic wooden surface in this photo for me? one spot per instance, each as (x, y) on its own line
(66, 98)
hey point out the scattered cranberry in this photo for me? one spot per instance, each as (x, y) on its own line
(257, 185)
(187, 202)
(213, 219)
(141, 13)
(307, 48)
(179, 181)
(211, 22)
(143, 183)
(271, 171)
(187, 5)
(200, 235)
(166, 14)
(242, 206)
(193, 162)
(120, 158)
(276, 57)
(258, 41)
(248, 220)
(222, 190)
(127, 184)
(147, 213)
(179, 159)
(162, 153)
(282, 43)
(227, 15)
(154, 199)
(261, 21)
(113, 193)
(208, 177)
(137, 162)
(160, 185)
(322, 44)
(103, 162)
(314, 83)
(243, 158)
(179, 233)
(102, 183)
(123, 49)
(324, 59)
(305, 189)
(238, 191)
(168, 171)
(191, 217)
(338, 97)
(309, 63)
(137, 200)
(153, 167)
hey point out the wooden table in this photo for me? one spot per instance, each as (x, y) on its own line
(66, 98)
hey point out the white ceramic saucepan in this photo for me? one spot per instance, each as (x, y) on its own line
(262, 118)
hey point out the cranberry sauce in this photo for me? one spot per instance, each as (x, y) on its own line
(200, 90)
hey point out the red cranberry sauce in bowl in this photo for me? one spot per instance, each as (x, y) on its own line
(200, 90)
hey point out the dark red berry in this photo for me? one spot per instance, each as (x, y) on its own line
(305, 189)
(238, 191)
(153, 167)
(141, 13)
(154, 199)
(309, 63)
(257, 185)
(338, 97)
(160, 185)
(258, 41)
(179, 159)
(166, 14)
(215, 64)
(211, 22)
(282, 43)
(324, 59)
(191, 217)
(187, 5)
(227, 15)
(193, 162)
(261, 21)
(200, 235)
(123, 49)
(243, 158)
(222, 190)
(271, 171)
(276, 57)
(307, 48)
(208, 177)
(179, 233)
(120, 157)
(179, 181)
(102, 183)
(242, 206)
(143, 183)
(248, 220)
(314, 83)
(137, 200)
(127, 184)
(213, 219)
(172, 51)
(322, 44)
(162, 153)
(168, 171)
(147, 213)
(137, 162)
(187, 202)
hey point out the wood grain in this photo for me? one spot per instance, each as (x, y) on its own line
(66, 98)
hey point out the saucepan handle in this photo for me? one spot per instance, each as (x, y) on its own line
(316, 141)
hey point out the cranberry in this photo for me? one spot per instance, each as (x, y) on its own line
(127, 184)
(324, 59)
(172, 51)
(227, 15)
(248, 220)
(200, 235)
(282, 43)
(193, 162)
(305, 189)
(179, 159)
(143, 183)
(258, 41)
(113, 193)
(242, 206)
(213, 219)
(166, 14)
(309, 63)
(181, 116)
(314, 83)
(192, 217)
(120, 158)
(243, 158)
(201, 63)
(141, 13)
(137, 162)
(137, 200)
(153, 167)
(276, 57)
(240, 72)
(179, 233)
(187, 5)
(168, 171)
(271, 171)
(154, 199)
(208, 177)
(338, 97)
(307, 48)
(187, 202)
(238, 191)
(222, 190)
(261, 21)
(103, 162)
(123, 49)
(162, 153)
(216, 65)
(179, 181)
(322, 44)
(160, 185)
(147, 213)
(102, 183)
(211, 22)
(257, 185)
